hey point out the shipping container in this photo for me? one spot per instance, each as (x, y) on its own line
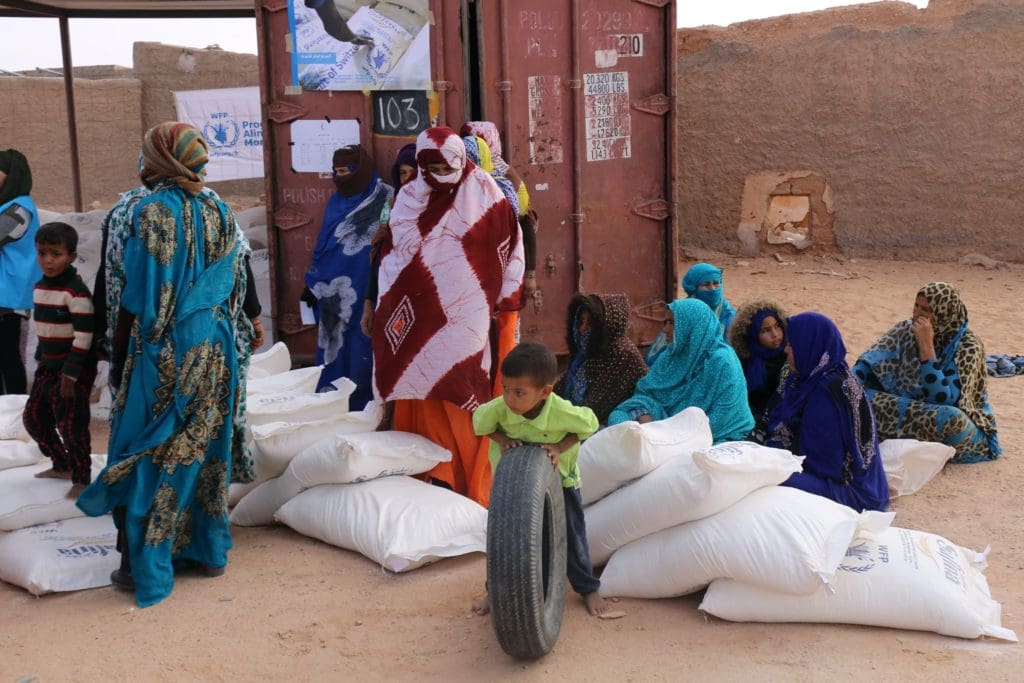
(582, 91)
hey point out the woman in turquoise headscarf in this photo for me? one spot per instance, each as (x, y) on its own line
(704, 281)
(695, 368)
(169, 456)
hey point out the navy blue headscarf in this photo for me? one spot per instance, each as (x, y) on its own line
(756, 369)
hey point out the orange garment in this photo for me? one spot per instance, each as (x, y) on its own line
(451, 427)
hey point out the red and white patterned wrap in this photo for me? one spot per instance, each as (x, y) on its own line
(455, 257)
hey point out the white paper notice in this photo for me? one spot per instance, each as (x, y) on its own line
(314, 142)
(306, 313)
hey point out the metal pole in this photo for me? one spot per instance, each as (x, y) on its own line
(578, 149)
(69, 96)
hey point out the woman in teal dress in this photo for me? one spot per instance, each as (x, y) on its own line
(169, 457)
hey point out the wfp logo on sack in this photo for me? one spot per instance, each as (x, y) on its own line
(221, 131)
(860, 557)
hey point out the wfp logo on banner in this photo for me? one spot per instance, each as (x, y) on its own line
(221, 132)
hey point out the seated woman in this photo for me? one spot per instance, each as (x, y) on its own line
(758, 335)
(926, 378)
(823, 414)
(695, 368)
(704, 281)
(604, 364)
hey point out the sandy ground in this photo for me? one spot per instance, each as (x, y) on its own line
(291, 607)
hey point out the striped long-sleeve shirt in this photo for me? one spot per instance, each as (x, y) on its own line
(64, 322)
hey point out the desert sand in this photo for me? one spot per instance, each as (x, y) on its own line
(290, 607)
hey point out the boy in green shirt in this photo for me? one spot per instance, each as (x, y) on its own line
(528, 412)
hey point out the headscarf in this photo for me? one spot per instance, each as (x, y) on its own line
(605, 365)
(177, 152)
(744, 338)
(405, 157)
(19, 175)
(489, 132)
(478, 151)
(702, 273)
(696, 368)
(820, 359)
(895, 365)
(362, 175)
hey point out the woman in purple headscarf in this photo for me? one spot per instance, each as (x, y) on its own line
(822, 413)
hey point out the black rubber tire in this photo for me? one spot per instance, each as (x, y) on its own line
(526, 564)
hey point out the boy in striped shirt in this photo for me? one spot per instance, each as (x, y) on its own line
(57, 412)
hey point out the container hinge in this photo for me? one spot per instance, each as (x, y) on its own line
(659, 104)
(654, 3)
(274, 5)
(502, 86)
(656, 209)
(574, 83)
(576, 217)
(280, 111)
(289, 217)
(442, 86)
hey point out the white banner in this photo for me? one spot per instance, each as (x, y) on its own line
(232, 125)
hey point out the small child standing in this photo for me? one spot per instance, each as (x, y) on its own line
(57, 412)
(528, 412)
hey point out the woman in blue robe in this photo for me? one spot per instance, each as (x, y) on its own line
(169, 457)
(338, 275)
(694, 368)
(822, 413)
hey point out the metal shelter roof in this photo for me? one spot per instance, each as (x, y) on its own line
(127, 8)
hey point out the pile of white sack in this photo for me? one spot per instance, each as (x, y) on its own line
(669, 514)
(46, 543)
(327, 473)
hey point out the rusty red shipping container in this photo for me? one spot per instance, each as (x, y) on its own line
(584, 94)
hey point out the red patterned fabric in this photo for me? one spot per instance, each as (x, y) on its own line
(454, 259)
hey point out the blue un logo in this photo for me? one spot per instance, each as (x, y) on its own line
(221, 132)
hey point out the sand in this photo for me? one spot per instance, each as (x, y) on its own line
(291, 607)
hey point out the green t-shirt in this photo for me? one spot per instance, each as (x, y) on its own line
(557, 419)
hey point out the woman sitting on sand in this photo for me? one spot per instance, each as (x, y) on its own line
(703, 281)
(695, 368)
(822, 413)
(926, 378)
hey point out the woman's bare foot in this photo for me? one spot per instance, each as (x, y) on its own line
(75, 491)
(53, 474)
(482, 606)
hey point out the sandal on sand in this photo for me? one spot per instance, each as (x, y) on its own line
(122, 579)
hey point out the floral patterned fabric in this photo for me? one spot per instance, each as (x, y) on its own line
(173, 420)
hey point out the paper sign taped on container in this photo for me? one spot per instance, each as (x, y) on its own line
(313, 143)
(398, 59)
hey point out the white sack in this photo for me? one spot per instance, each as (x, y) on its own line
(910, 464)
(301, 381)
(14, 453)
(340, 459)
(237, 491)
(899, 579)
(779, 538)
(69, 555)
(619, 454)
(399, 522)
(274, 361)
(277, 443)
(28, 501)
(12, 407)
(686, 488)
(293, 407)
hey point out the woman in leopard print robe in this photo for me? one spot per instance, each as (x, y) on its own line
(926, 378)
